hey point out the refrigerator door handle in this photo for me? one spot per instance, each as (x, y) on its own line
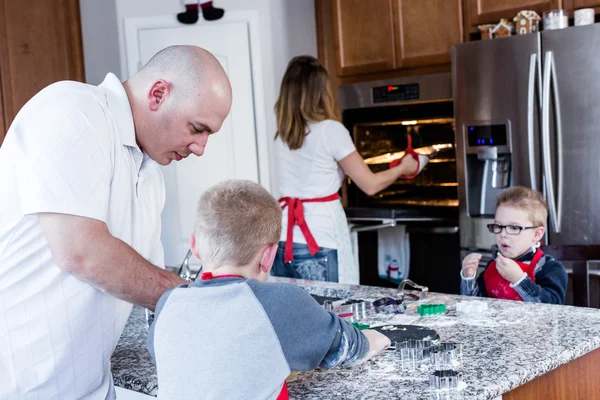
(559, 159)
(547, 165)
(530, 119)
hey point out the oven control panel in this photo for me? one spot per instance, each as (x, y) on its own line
(391, 93)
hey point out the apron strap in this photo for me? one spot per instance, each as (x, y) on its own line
(296, 217)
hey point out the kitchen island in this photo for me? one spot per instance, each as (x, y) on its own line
(514, 349)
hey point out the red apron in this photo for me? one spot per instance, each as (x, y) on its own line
(499, 288)
(296, 217)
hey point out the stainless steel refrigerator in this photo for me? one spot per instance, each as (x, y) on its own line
(527, 112)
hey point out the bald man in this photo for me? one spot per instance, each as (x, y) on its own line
(80, 209)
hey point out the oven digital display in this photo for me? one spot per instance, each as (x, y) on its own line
(486, 135)
(390, 93)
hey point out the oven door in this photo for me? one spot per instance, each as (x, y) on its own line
(381, 135)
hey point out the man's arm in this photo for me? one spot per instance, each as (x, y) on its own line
(85, 248)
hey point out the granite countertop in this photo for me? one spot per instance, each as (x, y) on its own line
(506, 346)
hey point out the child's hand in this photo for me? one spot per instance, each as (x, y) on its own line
(377, 342)
(470, 264)
(508, 269)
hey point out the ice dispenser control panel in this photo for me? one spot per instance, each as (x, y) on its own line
(486, 135)
(488, 166)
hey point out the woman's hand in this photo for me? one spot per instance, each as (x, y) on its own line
(408, 166)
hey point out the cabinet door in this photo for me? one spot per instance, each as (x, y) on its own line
(41, 44)
(425, 30)
(365, 36)
(3, 128)
(584, 4)
(490, 11)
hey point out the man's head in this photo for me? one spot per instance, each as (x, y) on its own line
(238, 224)
(520, 220)
(180, 97)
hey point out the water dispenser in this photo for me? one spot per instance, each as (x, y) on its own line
(488, 167)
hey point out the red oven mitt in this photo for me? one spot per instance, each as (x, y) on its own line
(421, 159)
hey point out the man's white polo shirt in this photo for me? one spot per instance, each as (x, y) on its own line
(70, 150)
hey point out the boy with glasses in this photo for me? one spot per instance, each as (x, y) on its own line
(521, 271)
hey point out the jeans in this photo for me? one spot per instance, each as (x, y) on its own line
(323, 266)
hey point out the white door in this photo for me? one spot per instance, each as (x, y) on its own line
(230, 153)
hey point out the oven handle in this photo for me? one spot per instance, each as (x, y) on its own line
(397, 220)
(377, 227)
(440, 230)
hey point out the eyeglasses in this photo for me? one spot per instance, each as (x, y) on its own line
(510, 229)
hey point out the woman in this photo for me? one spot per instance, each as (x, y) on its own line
(313, 152)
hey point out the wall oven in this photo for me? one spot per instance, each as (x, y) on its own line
(380, 115)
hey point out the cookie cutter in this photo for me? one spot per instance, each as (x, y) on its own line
(471, 307)
(446, 355)
(444, 379)
(414, 353)
(422, 294)
(388, 305)
(356, 311)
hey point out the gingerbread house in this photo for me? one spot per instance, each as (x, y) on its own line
(526, 22)
(502, 29)
(486, 31)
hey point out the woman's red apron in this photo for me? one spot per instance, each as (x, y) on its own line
(296, 217)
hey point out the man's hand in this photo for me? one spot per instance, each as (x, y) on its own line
(470, 264)
(509, 269)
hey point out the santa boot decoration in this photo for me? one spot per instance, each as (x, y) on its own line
(190, 16)
(209, 12)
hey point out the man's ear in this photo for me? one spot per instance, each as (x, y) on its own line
(267, 258)
(193, 246)
(158, 93)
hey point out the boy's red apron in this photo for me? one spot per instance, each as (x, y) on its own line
(296, 217)
(498, 287)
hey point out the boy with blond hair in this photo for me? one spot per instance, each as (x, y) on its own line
(231, 335)
(521, 271)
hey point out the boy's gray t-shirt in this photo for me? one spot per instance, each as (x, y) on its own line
(233, 338)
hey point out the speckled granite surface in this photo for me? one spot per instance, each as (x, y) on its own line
(506, 346)
(132, 366)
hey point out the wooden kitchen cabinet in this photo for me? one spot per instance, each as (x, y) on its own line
(387, 35)
(40, 43)
(425, 30)
(2, 126)
(490, 11)
(364, 36)
(577, 4)
(585, 3)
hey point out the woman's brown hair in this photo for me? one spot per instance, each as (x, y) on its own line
(304, 97)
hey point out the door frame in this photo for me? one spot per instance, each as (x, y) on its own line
(134, 25)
